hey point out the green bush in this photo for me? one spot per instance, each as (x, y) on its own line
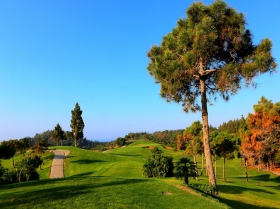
(158, 165)
(204, 188)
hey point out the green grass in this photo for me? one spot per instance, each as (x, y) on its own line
(262, 191)
(113, 179)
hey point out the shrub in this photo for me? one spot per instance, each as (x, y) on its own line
(158, 165)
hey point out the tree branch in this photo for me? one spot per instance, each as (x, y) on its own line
(206, 72)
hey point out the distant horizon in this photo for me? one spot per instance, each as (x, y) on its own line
(113, 139)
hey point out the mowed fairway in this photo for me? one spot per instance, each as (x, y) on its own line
(113, 179)
(105, 180)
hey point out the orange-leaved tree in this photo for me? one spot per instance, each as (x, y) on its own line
(261, 135)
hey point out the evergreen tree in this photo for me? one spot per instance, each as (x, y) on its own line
(210, 52)
(184, 168)
(58, 134)
(77, 124)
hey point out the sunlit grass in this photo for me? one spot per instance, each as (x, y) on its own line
(113, 179)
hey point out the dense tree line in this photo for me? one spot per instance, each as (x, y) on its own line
(232, 126)
(166, 138)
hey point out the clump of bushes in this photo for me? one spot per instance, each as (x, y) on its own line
(158, 165)
(24, 170)
(204, 188)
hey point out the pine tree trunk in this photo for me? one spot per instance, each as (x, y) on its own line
(202, 165)
(13, 162)
(267, 166)
(195, 164)
(224, 169)
(186, 177)
(246, 173)
(212, 179)
(215, 167)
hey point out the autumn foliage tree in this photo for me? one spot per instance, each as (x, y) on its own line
(262, 132)
(180, 142)
(210, 52)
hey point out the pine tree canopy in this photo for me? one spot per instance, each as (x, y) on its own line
(212, 45)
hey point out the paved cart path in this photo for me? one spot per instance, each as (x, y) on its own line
(58, 163)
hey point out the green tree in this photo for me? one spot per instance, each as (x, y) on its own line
(40, 146)
(120, 141)
(184, 168)
(77, 124)
(36, 161)
(58, 134)
(7, 150)
(210, 52)
(26, 169)
(193, 136)
(158, 165)
(224, 147)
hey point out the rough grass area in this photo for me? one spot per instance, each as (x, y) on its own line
(114, 180)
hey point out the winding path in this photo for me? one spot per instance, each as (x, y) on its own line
(58, 163)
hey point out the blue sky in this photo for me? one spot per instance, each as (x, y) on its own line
(56, 53)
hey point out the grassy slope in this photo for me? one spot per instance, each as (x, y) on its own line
(114, 180)
(104, 180)
(262, 191)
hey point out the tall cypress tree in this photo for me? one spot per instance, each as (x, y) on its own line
(77, 124)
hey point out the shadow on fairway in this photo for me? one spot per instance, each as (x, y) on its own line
(49, 157)
(57, 192)
(80, 175)
(266, 177)
(126, 155)
(86, 161)
(241, 205)
(231, 189)
(262, 177)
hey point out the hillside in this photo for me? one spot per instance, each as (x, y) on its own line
(113, 179)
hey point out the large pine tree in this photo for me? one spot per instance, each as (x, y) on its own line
(210, 52)
(77, 124)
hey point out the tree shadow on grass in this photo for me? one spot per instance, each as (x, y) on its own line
(49, 157)
(86, 161)
(266, 177)
(241, 205)
(231, 189)
(81, 175)
(56, 192)
(126, 155)
(263, 177)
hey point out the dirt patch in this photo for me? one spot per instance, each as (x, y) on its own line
(187, 189)
(138, 145)
(166, 193)
(149, 147)
(169, 148)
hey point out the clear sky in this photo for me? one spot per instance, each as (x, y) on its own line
(55, 53)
